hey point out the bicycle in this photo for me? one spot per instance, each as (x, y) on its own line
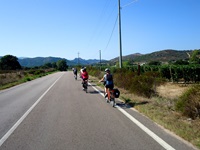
(75, 76)
(112, 97)
(114, 93)
(85, 85)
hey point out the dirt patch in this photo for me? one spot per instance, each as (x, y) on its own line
(171, 90)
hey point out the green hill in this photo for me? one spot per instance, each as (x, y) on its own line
(162, 56)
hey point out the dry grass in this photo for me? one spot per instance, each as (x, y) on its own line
(7, 78)
(161, 110)
(12, 78)
(171, 90)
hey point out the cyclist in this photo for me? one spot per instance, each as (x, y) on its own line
(84, 75)
(81, 71)
(75, 72)
(104, 83)
(109, 84)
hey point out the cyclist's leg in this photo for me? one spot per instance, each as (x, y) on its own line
(108, 92)
(106, 89)
(83, 83)
(105, 92)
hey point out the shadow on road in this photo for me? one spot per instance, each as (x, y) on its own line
(93, 92)
(131, 104)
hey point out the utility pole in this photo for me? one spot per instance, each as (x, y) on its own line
(78, 58)
(100, 59)
(120, 38)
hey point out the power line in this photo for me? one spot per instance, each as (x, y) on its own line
(129, 3)
(112, 32)
(97, 29)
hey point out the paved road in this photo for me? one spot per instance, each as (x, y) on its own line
(58, 115)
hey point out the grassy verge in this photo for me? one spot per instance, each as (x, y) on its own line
(14, 79)
(184, 127)
(161, 110)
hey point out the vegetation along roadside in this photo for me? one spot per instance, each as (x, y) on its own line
(175, 106)
(12, 73)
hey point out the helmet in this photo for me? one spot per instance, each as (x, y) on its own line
(84, 69)
(106, 70)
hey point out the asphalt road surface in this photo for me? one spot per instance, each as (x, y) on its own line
(54, 113)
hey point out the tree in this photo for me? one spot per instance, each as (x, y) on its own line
(47, 65)
(127, 63)
(181, 62)
(9, 62)
(54, 65)
(195, 58)
(62, 65)
(156, 63)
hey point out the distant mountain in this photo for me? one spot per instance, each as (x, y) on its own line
(22, 57)
(86, 62)
(39, 61)
(80, 61)
(165, 56)
(127, 57)
(162, 56)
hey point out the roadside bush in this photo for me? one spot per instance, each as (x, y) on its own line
(36, 72)
(13, 77)
(95, 72)
(30, 71)
(145, 84)
(189, 102)
(27, 79)
(39, 72)
(123, 78)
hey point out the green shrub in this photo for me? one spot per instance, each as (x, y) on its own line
(95, 72)
(38, 72)
(143, 86)
(123, 78)
(27, 79)
(189, 102)
(31, 71)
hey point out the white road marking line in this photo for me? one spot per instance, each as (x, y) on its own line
(6, 136)
(145, 129)
(140, 125)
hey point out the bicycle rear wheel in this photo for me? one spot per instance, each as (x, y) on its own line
(85, 87)
(113, 103)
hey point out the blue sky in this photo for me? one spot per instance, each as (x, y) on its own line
(64, 28)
